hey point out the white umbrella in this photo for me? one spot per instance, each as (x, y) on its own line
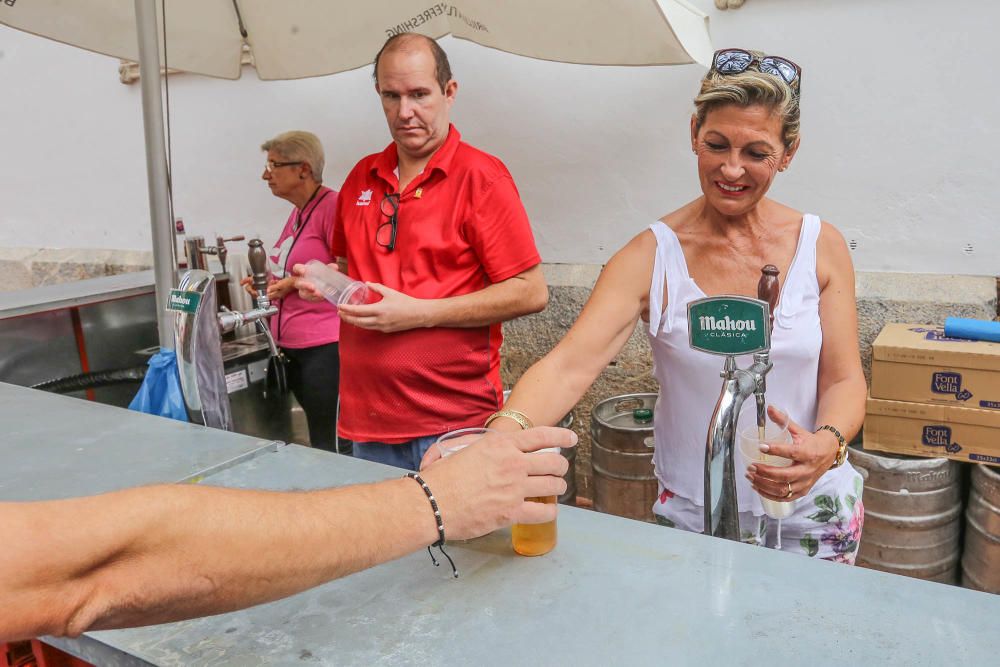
(290, 39)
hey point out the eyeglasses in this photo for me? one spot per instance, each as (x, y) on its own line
(737, 61)
(271, 165)
(390, 209)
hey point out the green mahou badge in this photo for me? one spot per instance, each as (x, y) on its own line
(729, 325)
(183, 301)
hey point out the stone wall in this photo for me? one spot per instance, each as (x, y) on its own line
(881, 297)
(24, 268)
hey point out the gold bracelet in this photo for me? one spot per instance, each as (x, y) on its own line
(519, 417)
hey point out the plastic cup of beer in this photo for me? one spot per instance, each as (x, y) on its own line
(536, 539)
(750, 440)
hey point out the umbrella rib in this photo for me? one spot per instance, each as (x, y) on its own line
(239, 18)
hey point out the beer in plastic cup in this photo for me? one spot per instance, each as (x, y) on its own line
(535, 539)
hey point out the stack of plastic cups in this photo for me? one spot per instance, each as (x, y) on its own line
(337, 287)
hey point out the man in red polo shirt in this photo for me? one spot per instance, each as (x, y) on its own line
(437, 228)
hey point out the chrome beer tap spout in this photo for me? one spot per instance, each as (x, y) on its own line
(721, 508)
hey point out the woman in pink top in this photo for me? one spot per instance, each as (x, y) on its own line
(744, 133)
(306, 332)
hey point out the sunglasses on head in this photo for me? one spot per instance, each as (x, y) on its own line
(737, 61)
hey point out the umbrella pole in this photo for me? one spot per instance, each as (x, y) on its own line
(156, 165)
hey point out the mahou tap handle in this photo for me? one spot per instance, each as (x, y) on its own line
(767, 288)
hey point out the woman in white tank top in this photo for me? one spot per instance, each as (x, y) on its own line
(745, 130)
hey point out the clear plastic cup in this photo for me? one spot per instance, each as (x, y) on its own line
(750, 439)
(337, 287)
(449, 443)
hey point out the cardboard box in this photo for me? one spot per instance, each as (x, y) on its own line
(918, 363)
(919, 429)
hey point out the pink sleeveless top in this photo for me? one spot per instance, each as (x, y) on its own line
(689, 379)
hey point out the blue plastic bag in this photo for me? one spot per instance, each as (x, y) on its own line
(160, 393)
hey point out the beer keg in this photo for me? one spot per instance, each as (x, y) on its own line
(981, 560)
(569, 497)
(913, 512)
(621, 453)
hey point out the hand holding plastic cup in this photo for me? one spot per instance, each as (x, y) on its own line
(455, 441)
(527, 539)
(774, 432)
(336, 287)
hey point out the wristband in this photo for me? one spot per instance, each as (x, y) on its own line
(841, 445)
(519, 417)
(437, 519)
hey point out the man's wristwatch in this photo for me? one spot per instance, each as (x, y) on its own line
(841, 445)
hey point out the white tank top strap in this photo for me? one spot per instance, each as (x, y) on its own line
(801, 281)
(670, 266)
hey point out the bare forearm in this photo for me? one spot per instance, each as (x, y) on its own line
(842, 405)
(553, 385)
(521, 295)
(545, 393)
(157, 554)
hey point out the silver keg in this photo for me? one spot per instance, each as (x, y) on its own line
(913, 515)
(621, 452)
(981, 559)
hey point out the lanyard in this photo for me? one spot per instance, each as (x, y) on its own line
(297, 230)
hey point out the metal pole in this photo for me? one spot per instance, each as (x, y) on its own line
(156, 164)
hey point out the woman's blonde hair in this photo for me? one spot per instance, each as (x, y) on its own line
(299, 146)
(750, 88)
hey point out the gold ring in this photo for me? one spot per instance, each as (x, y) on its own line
(790, 492)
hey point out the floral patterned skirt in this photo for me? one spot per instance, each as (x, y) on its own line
(826, 523)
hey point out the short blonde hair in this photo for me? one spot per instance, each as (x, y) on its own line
(299, 146)
(750, 88)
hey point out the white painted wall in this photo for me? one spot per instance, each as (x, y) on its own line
(899, 136)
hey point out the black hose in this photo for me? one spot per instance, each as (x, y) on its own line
(93, 380)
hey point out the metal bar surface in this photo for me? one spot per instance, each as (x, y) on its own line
(613, 592)
(77, 293)
(59, 447)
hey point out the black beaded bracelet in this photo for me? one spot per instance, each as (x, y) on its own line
(437, 518)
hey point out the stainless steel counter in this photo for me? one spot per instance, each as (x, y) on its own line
(614, 592)
(58, 447)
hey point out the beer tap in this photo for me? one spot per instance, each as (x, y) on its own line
(220, 248)
(730, 326)
(229, 319)
(767, 290)
(197, 328)
(196, 249)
